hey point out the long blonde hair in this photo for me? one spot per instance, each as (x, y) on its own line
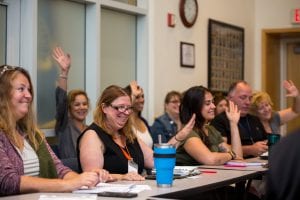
(8, 123)
(108, 96)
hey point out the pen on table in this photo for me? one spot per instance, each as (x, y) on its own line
(208, 171)
(132, 186)
(233, 165)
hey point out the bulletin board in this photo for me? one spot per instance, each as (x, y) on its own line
(225, 55)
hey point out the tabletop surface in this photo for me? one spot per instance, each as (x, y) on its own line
(209, 179)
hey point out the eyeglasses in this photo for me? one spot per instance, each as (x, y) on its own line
(175, 102)
(122, 108)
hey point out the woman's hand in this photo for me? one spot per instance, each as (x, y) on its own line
(104, 176)
(292, 90)
(64, 60)
(87, 179)
(132, 176)
(233, 113)
(181, 135)
(135, 89)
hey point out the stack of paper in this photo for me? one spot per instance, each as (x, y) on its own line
(237, 163)
(181, 170)
(68, 196)
(186, 170)
(114, 187)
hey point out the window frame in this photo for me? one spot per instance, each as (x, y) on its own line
(22, 41)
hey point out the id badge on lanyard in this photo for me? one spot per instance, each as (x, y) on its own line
(132, 166)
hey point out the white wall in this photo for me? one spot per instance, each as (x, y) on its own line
(167, 73)
(164, 72)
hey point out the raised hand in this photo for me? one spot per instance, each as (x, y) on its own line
(233, 113)
(292, 90)
(135, 88)
(63, 59)
(181, 135)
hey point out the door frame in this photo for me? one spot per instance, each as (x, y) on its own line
(271, 54)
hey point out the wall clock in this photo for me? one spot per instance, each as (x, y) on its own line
(188, 10)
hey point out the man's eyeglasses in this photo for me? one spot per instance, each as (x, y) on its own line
(122, 108)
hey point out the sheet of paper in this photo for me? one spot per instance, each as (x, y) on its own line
(243, 163)
(265, 154)
(68, 196)
(114, 187)
(186, 170)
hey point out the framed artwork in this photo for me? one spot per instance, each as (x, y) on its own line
(187, 54)
(225, 55)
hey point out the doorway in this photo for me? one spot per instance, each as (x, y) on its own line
(275, 68)
(293, 73)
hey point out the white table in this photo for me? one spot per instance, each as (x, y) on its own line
(248, 168)
(181, 187)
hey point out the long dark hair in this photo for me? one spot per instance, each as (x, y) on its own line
(192, 102)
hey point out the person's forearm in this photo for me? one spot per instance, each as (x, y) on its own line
(63, 80)
(70, 175)
(176, 139)
(148, 160)
(34, 184)
(148, 154)
(236, 140)
(296, 104)
(173, 142)
(248, 150)
(217, 158)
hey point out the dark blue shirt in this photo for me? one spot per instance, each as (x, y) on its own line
(164, 126)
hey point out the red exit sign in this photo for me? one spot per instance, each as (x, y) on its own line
(296, 16)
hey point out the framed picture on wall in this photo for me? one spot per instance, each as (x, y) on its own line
(225, 55)
(187, 54)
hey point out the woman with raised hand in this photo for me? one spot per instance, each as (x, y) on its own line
(27, 162)
(261, 106)
(139, 124)
(204, 144)
(71, 108)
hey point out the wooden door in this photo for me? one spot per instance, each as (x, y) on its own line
(293, 73)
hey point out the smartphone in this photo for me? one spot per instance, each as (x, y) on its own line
(118, 194)
(175, 176)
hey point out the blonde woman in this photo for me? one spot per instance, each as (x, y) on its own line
(261, 106)
(27, 162)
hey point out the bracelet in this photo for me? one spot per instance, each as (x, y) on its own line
(233, 154)
(63, 76)
(177, 139)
